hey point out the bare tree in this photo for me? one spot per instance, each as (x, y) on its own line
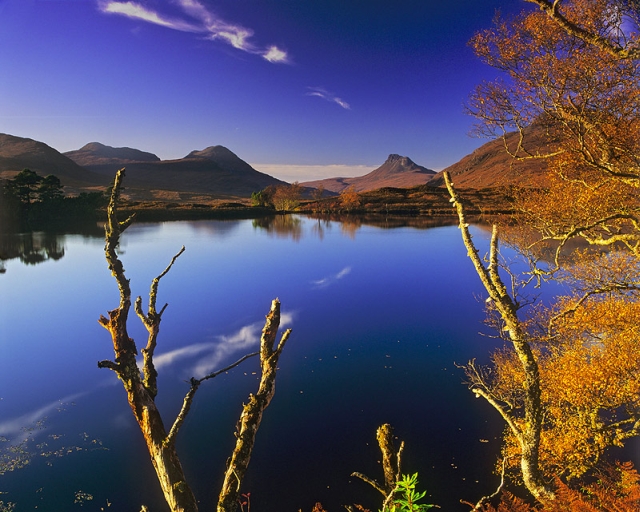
(141, 384)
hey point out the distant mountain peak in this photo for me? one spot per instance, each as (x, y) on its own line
(398, 171)
(213, 153)
(95, 153)
(403, 160)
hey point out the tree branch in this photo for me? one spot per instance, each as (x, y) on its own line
(188, 399)
(571, 28)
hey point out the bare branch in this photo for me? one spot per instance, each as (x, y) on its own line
(188, 399)
(371, 482)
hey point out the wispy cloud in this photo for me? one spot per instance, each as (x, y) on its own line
(329, 280)
(204, 22)
(321, 92)
(138, 11)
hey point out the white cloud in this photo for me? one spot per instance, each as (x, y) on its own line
(137, 11)
(345, 271)
(293, 172)
(206, 23)
(321, 92)
(275, 54)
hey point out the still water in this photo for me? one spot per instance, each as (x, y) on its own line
(380, 317)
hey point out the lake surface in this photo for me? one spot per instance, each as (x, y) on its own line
(379, 318)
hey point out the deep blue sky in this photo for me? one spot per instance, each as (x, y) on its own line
(282, 83)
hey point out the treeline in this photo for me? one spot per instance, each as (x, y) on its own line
(32, 202)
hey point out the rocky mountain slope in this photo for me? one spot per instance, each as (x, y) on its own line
(398, 171)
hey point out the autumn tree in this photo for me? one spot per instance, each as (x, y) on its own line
(140, 383)
(584, 98)
(287, 197)
(566, 382)
(349, 198)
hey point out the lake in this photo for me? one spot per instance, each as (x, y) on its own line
(380, 317)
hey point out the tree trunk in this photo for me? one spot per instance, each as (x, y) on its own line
(529, 434)
(141, 398)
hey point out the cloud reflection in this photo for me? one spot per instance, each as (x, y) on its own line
(329, 280)
(13, 426)
(210, 355)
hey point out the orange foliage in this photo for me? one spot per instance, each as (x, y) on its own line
(564, 82)
(589, 364)
(586, 102)
(615, 489)
(349, 198)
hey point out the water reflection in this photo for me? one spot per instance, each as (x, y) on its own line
(291, 226)
(354, 222)
(282, 226)
(30, 248)
(36, 247)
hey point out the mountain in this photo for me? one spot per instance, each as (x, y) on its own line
(17, 153)
(95, 153)
(398, 172)
(491, 166)
(213, 171)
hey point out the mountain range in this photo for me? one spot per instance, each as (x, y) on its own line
(217, 173)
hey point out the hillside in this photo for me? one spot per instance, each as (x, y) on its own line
(398, 172)
(491, 166)
(212, 173)
(17, 153)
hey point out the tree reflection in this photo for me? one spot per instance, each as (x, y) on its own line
(282, 226)
(291, 226)
(31, 248)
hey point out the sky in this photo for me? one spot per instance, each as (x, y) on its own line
(300, 89)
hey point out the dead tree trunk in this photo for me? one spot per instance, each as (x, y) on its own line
(141, 392)
(252, 412)
(391, 465)
(527, 430)
(141, 385)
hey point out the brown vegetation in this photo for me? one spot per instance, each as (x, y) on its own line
(566, 382)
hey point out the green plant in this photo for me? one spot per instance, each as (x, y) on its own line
(406, 497)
